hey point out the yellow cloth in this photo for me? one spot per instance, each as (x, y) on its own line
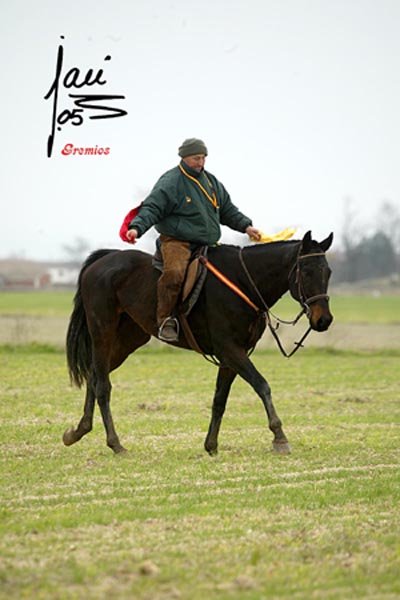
(285, 234)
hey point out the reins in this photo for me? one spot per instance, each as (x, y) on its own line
(305, 302)
(268, 313)
(227, 282)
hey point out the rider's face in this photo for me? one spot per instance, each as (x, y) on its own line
(196, 161)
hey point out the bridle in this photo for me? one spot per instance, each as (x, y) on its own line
(305, 301)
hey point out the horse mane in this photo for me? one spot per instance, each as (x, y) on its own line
(271, 246)
(276, 244)
(96, 255)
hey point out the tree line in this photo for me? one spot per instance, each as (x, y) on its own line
(362, 251)
(368, 251)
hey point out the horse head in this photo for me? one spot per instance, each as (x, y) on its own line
(308, 281)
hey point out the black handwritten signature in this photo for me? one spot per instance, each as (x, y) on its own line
(82, 102)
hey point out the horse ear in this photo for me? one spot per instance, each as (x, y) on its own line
(306, 242)
(326, 244)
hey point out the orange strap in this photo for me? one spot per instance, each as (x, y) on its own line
(213, 198)
(228, 282)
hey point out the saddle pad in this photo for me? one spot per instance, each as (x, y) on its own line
(192, 274)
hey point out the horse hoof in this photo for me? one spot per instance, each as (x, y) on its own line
(281, 447)
(69, 436)
(121, 450)
(213, 452)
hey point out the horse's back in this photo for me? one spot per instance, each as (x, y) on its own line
(117, 265)
(118, 276)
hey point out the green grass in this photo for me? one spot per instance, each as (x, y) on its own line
(366, 309)
(383, 309)
(167, 521)
(353, 309)
(40, 303)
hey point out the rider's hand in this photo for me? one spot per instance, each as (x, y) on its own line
(253, 233)
(132, 234)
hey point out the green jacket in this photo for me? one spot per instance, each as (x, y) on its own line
(180, 209)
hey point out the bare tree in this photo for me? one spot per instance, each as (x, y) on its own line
(351, 238)
(78, 250)
(388, 221)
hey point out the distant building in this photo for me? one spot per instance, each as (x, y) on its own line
(22, 274)
(62, 275)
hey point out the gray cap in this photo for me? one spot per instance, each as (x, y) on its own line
(192, 146)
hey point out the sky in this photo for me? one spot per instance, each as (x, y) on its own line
(297, 101)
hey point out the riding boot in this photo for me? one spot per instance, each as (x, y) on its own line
(176, 255)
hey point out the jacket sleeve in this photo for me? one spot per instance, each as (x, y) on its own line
(230, 215)
(158, 204)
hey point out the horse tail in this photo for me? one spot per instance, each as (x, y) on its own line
(79, 343)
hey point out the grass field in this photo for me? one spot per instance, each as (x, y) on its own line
(361, 321)
(350, 308)
(167, 521)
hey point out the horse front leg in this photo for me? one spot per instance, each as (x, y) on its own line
(223, 385)
(280, 442)
(72, 435)
(240, 362)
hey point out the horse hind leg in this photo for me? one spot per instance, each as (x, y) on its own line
(128, 337)
(103, 393)
(98, 386)
(106, 356)
(72, 435)
(224, 381)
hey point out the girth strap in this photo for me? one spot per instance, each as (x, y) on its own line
(191, 340)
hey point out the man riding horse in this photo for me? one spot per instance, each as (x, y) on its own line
(187, 206)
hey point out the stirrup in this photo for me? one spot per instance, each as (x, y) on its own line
(171, 324)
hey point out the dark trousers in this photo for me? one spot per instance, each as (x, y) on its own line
(176, 255)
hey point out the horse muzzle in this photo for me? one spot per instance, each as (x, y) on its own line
(318, 312)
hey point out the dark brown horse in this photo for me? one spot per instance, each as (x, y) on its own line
(115, 313)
